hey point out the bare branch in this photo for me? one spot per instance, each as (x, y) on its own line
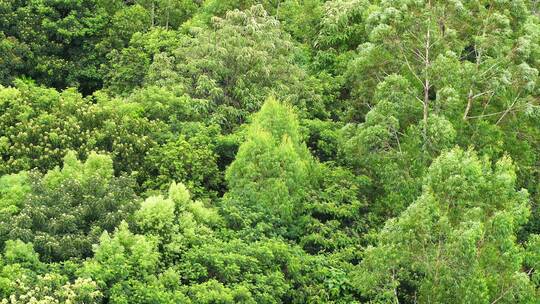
(409, 65)
(469, 105)
(508, 110)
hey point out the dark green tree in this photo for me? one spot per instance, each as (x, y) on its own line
(65, 211)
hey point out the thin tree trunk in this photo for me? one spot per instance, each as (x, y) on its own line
(168, 14)
(396, 299)
(469, 105)
(426, 73)
(507, 110)
(153, 13)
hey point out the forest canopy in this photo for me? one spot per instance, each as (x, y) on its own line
(272, 151)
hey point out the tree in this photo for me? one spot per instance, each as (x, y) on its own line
(457, 238)
(389, 147)
(177, 222)
(144, 267)
(169, 14)
(12, 59)
(131, 65)
(237, 62)
(467, 62)
(191, 161)
(270, 177)
(64, 211)
(38, 126)
(60, 40)
(13, 191)
(125, 266)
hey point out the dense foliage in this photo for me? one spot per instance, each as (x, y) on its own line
(272, 151)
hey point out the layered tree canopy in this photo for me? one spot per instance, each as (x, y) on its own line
(291, 151)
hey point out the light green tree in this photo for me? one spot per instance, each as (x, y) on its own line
(457, 242)
(271, 175)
